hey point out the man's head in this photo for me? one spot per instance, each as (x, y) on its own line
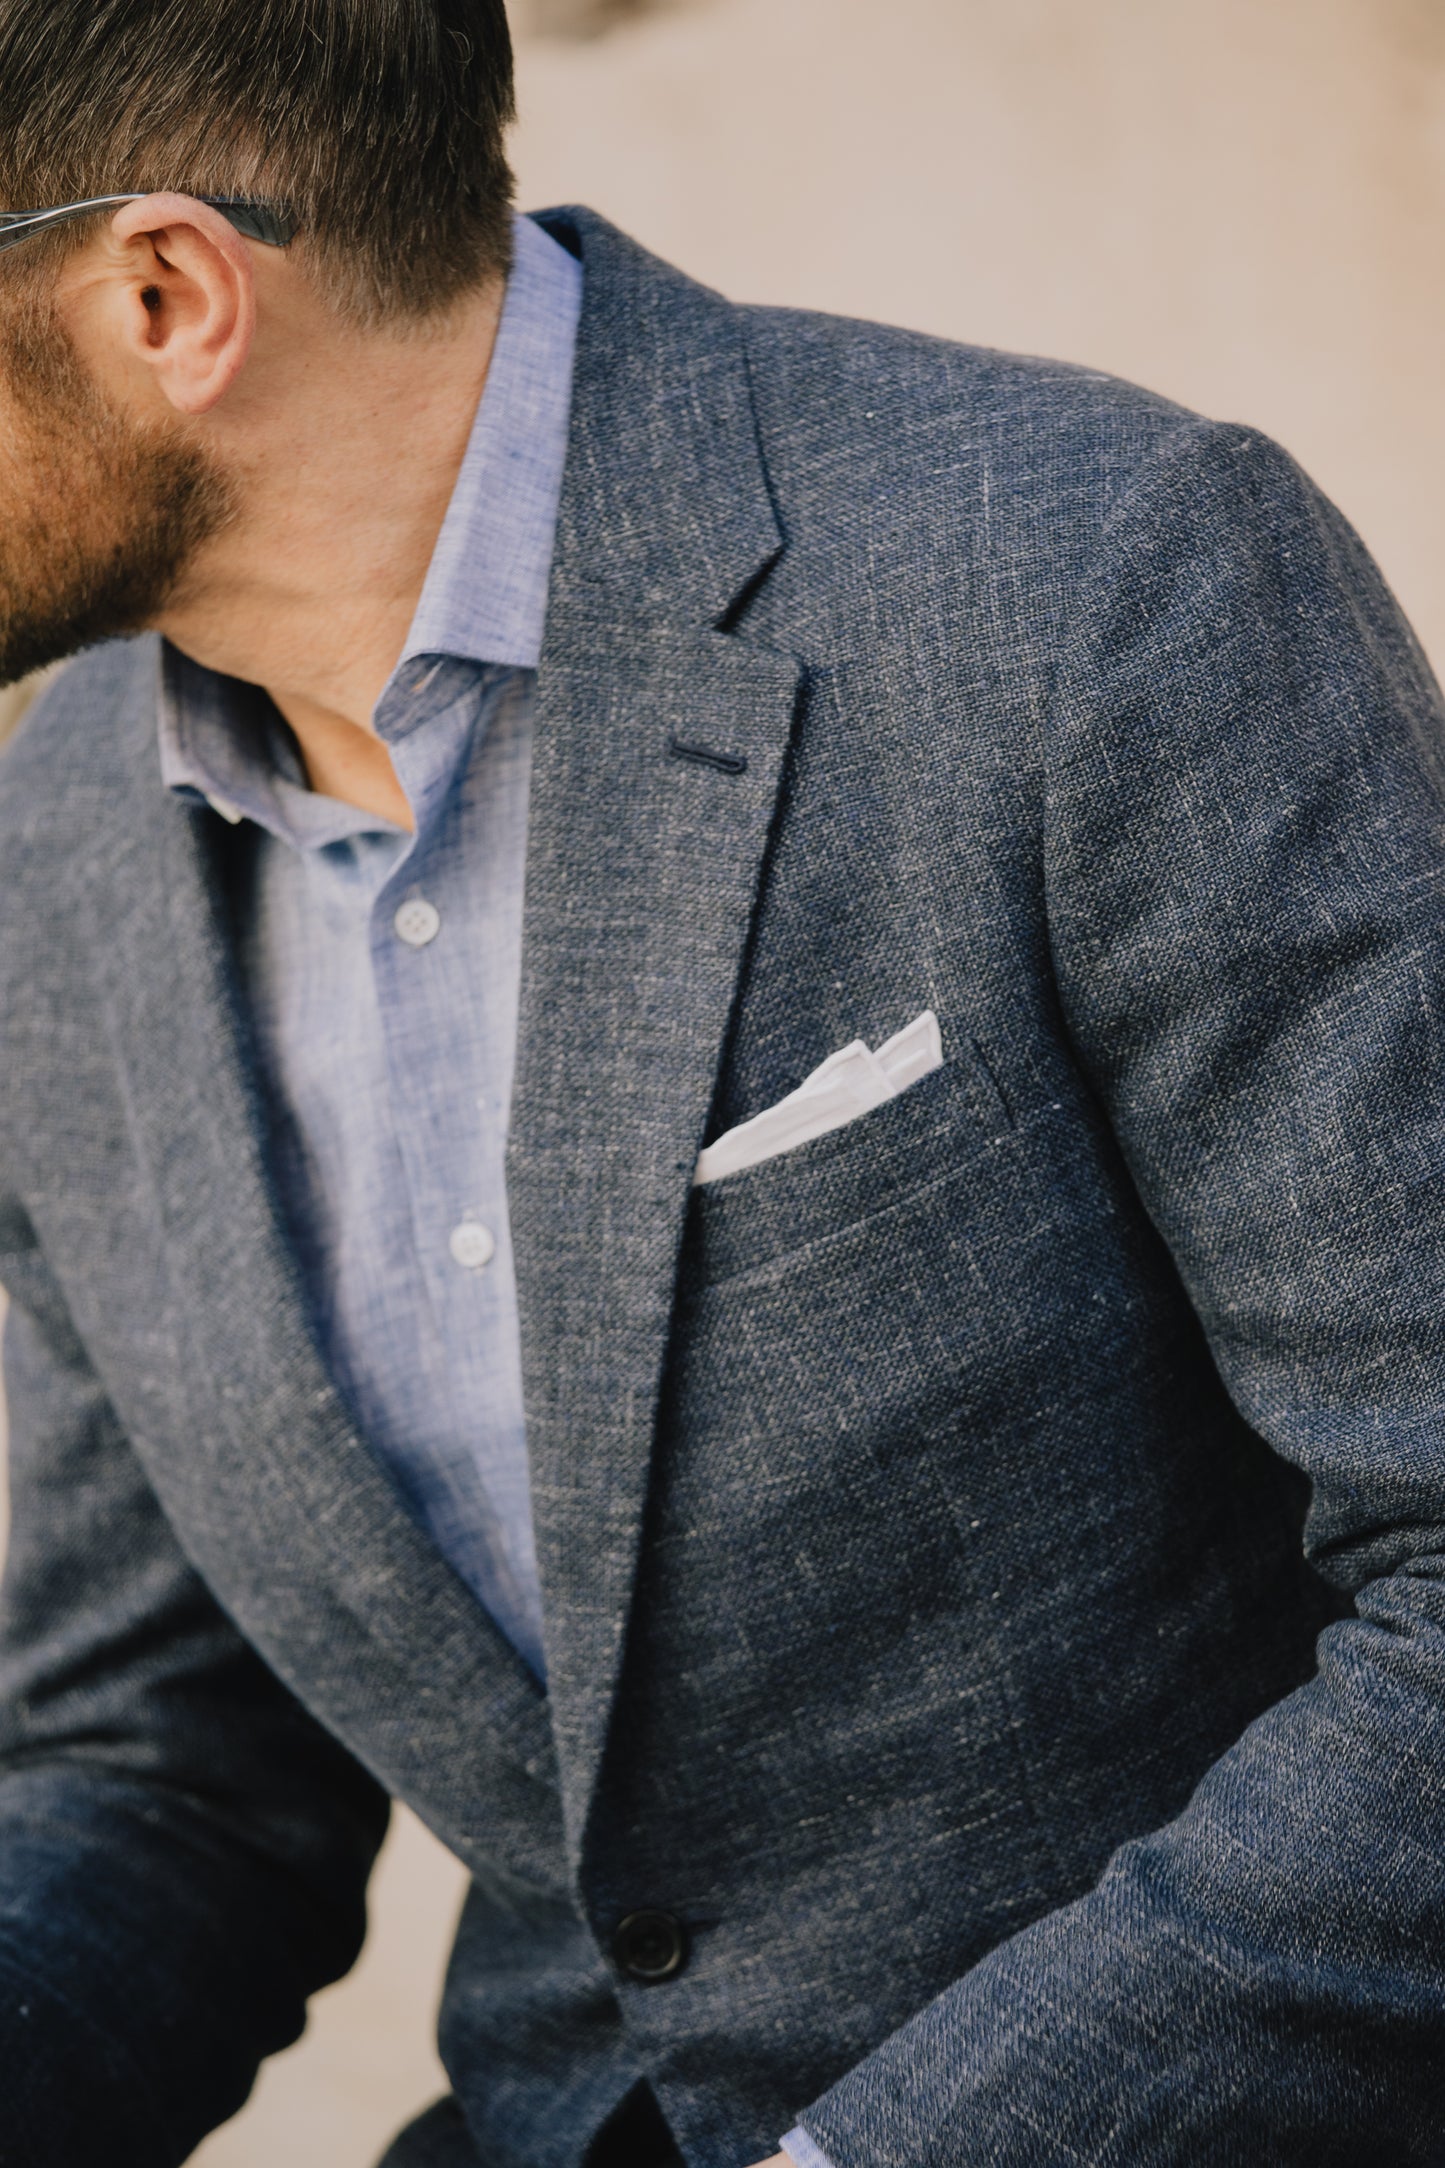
(379, 125)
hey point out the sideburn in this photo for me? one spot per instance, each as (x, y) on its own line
(111, 512)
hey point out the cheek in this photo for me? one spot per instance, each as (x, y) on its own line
(51, 500)
(9, 417)
(18, 458)
(30, 466)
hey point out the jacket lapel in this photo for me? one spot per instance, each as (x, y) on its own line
(295, 1523)
(659, 747)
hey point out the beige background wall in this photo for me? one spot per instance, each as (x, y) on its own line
(1238, 202)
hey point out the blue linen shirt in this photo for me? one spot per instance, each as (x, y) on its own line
(382, 972)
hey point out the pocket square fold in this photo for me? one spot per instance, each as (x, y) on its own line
(848, 1084)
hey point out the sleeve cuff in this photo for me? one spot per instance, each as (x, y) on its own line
(801, 2150)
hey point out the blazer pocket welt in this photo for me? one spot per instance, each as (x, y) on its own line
(821, 1188)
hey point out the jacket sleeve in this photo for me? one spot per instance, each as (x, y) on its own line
(183, 1852)
(1245, 864)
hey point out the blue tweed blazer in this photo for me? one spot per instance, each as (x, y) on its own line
(994, 1556)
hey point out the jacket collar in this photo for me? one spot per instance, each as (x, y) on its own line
(665, 501)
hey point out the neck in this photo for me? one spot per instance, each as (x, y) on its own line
(311, 589)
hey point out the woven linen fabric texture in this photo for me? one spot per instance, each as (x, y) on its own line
(919, 1516)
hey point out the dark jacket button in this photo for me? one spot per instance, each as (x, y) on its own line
(650, 1946)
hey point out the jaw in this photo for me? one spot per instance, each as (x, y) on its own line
(96, 538)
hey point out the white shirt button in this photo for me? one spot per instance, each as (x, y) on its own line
(417, 922)
(473, 1245)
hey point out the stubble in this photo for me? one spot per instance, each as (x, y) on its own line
(101, 516)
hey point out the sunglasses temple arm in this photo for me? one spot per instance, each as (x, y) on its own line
(262, 222)
(18, 226)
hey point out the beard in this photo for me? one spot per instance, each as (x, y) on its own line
(101, 516)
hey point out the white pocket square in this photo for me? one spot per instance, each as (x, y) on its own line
(849, 1083)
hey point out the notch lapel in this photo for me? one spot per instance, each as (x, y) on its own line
(642, 872)
(276, 1497)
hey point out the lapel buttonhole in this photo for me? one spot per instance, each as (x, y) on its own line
(703, 757)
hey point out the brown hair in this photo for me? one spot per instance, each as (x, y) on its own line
(379, 124)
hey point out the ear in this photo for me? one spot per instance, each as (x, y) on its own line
(185, 285)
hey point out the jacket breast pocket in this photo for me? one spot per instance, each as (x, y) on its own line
(818, 1190)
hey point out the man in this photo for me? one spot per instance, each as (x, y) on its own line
(829, 1565)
